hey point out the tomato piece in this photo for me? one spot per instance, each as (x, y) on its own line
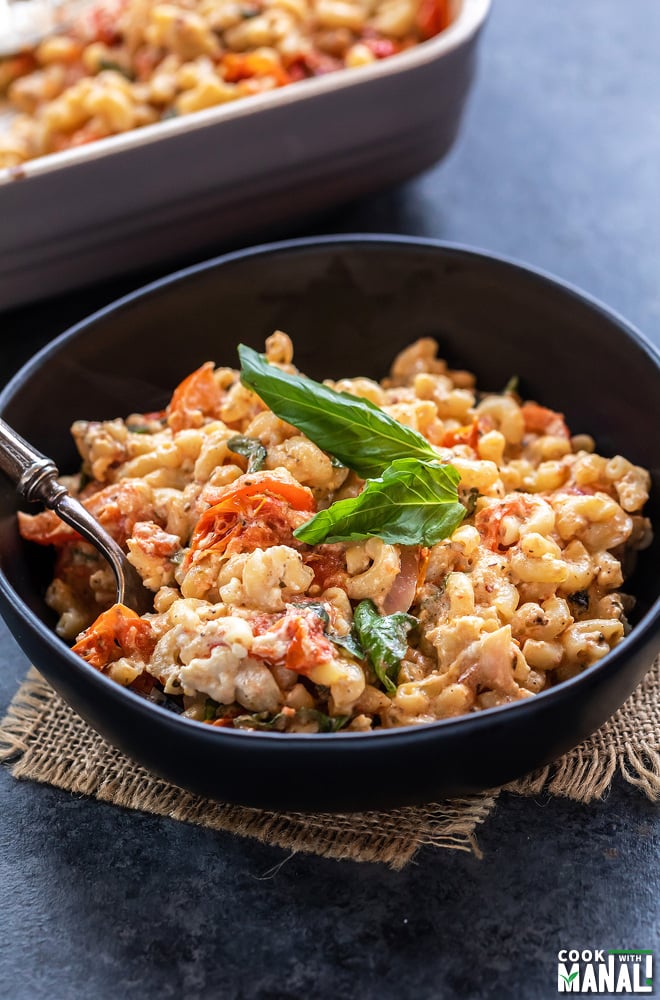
(197, 397)
(256, 511)
(118, 507)
(143, 684)
(328, 564)
(297, 70)
(382, 48)
(154, 541)
(541, 420)
(308, 646)
(432, 17)
(241, 66)
(319, 63)
(489, 520)
(469, 434)
(115, 633)
(14, 67)
(45, 528)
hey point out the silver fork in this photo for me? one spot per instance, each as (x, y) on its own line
(35, 477)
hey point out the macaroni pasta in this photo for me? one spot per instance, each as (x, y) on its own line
(251, 627)
(128, 63)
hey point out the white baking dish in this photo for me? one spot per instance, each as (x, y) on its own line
(147, 196)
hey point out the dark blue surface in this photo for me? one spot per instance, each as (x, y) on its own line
(558, 164)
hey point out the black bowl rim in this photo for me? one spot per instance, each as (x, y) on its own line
(643, 629)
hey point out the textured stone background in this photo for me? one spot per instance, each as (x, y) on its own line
(558, 164)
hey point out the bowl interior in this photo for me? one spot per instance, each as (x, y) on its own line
(349, 307)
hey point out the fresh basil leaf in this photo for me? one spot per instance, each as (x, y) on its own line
(250, 448)
(358, 433)
(349, 642)
(412, 503)
(385, 639)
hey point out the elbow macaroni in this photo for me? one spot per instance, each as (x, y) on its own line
(252, 627)
(128, 63)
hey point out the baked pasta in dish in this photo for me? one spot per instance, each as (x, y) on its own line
(350, 555)
(127, 63)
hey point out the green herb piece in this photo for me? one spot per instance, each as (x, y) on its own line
(250, 448)
(84, 553)
(358, 433)
(115, 67)
(580, 598)
(261, 721)
(385, 639)
(512, 386)
(412, 503)
(326, 723)
(316, 607)
(177, 558)
(210, 708)
(83, 479)
(348, 642)
(138, 429)
(336, 464)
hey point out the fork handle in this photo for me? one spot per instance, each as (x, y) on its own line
(34, 474)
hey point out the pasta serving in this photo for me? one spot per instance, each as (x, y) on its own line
(128, 63)
(346, 556)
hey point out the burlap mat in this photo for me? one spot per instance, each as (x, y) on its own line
(46, 741)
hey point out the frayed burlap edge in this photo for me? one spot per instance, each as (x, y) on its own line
(628, 744)
(47, 742)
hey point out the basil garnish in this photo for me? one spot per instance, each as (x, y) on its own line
(385, 640)
(250, 448)
(348, 642)
(412, 503)
(355, 431)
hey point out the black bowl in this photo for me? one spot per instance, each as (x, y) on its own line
(350, 304)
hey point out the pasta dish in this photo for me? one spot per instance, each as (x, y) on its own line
(349, 555)
(127, 63)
